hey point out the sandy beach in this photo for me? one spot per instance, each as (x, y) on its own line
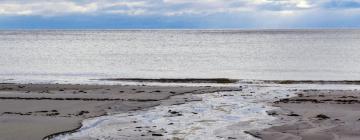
(43, 111)
(316, 115)
(37, 111)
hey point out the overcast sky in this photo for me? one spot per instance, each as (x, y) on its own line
(179, 14)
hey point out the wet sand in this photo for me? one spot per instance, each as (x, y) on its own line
(38, 111)
(316, 115)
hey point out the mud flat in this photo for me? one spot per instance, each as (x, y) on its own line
(37, 111)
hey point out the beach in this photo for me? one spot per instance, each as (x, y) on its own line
(316, 115)
(250, 111)
(35, 111)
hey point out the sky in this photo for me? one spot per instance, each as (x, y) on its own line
(178, 14)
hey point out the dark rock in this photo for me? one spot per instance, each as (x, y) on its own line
(83, 113)
(254, 134)
(157, 134)
(53, 114)
(173, 112)
(272, 113)
(293, 114)
(322, 117)
(82, 91)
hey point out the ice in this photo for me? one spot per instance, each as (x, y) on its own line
(218, 115)
(222, 115)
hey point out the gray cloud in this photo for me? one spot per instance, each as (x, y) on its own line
(143, 7)
(179, 13)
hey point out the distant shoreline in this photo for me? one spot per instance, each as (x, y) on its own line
(121, 81)
(229, 81)
(172, 29)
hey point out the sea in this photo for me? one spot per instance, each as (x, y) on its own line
(82, 56)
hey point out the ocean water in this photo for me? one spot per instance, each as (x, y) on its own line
(80, 55)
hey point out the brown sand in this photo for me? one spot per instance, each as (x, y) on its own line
(316, 115)
(35, 111)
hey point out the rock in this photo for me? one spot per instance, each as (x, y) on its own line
(174, 113)
(254, 134)
(322, 117)
(157, 134)
(272, 113)
(293, 114)
(83, 113)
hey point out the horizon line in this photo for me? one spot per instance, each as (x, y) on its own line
(132, 29)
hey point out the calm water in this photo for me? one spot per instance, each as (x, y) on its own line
(78, 55)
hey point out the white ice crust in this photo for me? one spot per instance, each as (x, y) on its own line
(223, 115)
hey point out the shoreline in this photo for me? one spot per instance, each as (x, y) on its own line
(44, 106)
(180, 81)
(228, 81)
